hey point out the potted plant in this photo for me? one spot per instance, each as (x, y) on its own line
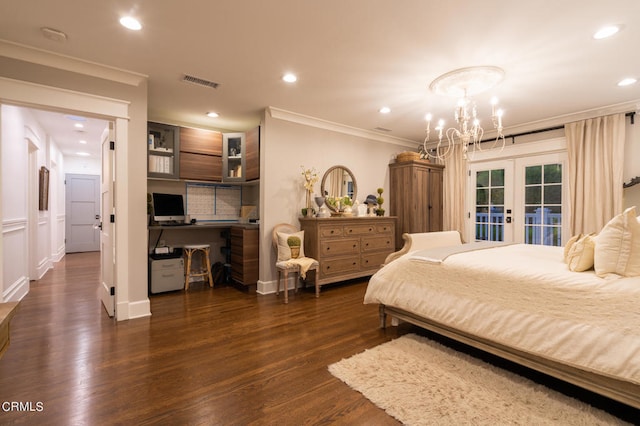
(294, 245)
(347, 203)
(380, 200)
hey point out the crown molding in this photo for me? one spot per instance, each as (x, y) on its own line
(44, 57)
(561, 120)
(306, 120)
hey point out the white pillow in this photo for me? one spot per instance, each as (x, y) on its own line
(618, 246)
(567, 247)
(581, 254)
(284, 252)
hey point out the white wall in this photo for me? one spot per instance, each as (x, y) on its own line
(286, 145)
(82, 165)
(32, 235)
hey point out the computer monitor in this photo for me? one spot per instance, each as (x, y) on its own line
(168, 207)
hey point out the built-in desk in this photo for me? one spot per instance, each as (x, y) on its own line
(238, 248)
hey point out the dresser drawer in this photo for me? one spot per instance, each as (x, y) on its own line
(385, 228)
(373, 260)
(347, 246)
(339, 266)
(330, 231)
(383, 242)
(364, 229)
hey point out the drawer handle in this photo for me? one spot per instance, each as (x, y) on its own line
(354, 263)
(370, 229)
(350, 230)
(332, 231)
(354, 246)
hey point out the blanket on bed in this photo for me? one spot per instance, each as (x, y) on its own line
(524, 296)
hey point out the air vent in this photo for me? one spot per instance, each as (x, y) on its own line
(382, 129)
(200, 81)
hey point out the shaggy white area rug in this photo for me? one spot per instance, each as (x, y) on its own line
(421, 382)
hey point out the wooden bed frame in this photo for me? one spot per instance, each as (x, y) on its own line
(608, 386)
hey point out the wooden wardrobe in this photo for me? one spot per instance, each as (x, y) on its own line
(415, 197)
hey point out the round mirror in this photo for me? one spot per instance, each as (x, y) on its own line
(339, 182)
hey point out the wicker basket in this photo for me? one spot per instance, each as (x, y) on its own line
(407, 156)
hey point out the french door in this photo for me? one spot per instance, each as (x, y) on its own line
(522, 200)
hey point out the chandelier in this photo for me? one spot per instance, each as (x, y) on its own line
(464, 83)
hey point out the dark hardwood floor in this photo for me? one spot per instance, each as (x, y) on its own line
(217, 356)
(220, 356)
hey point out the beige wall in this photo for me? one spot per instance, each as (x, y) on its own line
(286, 145)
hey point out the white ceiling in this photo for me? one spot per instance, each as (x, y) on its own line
(351, 57)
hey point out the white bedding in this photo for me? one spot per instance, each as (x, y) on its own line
(525, 297)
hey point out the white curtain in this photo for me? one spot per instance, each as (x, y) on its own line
(454, 191)
(595, 149)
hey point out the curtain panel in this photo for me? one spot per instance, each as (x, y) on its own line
(454, 191)
(595, 150)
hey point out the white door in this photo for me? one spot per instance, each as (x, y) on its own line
(107, 234)
(82, 206)
(491, 195)
(542, 213)
(522, 200)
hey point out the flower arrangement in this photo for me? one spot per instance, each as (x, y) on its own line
(310, 178)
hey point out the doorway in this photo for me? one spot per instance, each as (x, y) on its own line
(35, 96)
(521, 200)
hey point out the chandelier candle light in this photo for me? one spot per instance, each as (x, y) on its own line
(464, 83)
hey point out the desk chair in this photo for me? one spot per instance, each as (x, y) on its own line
(284, 266)
(205, 263)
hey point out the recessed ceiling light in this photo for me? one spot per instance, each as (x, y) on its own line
(78, 126)
(627, 81)
(83, 142)
(83, 154)
(131, 23)
(213, 114)
(607, 31)
(385, 110)
(290, 78)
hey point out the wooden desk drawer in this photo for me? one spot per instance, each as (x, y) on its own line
(360, 229)
(339, 247)
(339, 266)
(384, 242)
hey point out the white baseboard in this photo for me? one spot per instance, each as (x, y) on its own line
(17, 291)
(133, 310)
(269, 287)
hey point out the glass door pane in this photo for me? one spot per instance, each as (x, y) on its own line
(490, 205)
(543, 204)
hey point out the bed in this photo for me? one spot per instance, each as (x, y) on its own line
(520, 302)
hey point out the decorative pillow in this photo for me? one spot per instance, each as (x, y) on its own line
(618, 246)
(570, 243)
(581, 253)
(284, 251)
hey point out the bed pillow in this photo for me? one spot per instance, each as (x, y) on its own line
(284, 251)
(581, 253)
(570, 243)
(618, 246)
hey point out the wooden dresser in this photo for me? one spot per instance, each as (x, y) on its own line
(350, 247)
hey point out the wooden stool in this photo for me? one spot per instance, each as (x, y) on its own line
(205, 270)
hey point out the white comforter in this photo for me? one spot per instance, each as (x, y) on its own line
(523, 296)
